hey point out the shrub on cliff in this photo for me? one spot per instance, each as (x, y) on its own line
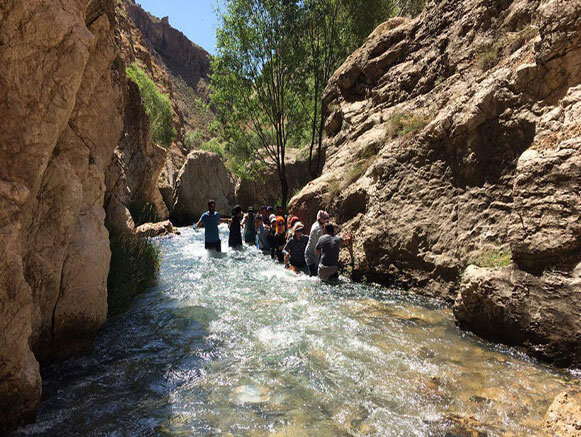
(134, 268)
(157, 106)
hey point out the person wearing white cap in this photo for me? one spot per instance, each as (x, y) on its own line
(311, 258)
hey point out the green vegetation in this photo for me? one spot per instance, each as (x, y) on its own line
(215, 146)
(495, 258)
(274, 59)
(403, 123)
(157, 106)
(194, 139)
(488, 57)
(134, 268)
(143, 212)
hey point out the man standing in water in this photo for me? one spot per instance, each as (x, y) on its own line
(311, 258)
(210, 221)
(328, 247)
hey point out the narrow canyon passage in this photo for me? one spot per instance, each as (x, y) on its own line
(233, 343)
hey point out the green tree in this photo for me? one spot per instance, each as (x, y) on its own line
(256, 80)
(332, 29)
(157, 106)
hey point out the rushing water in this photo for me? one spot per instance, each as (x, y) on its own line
(232, 343)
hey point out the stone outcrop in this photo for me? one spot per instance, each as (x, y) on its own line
(202, 177)
(184, 58)
(61, 100)
(564, 415)
(160, 229)
(454, 136)
(180, 68)
(137, 162)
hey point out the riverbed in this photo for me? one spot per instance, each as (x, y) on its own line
(234, 344)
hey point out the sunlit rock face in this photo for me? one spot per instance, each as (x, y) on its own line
(454, 137)
(59, 89)
(203, 177)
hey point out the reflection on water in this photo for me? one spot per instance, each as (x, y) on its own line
(232, 343)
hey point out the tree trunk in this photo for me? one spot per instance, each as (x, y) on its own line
(283, 185)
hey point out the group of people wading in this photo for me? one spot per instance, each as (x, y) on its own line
(283, 238)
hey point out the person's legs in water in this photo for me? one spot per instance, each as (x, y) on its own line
(217, 246)
(313, 269)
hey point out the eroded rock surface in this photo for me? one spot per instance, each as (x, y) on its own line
(203, 177)
(564, 415)
(454, 136)
(59, 86)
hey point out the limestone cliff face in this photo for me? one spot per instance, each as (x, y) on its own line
(180, 68)
(454, 136)
(137, 162)
(59, 87)
(179, 54)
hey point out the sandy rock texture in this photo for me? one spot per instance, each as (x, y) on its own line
(564, 415)
(453, 137)
(203, 177)
(137, 162)
(59, 86)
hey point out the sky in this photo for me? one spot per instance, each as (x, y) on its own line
(194, 18)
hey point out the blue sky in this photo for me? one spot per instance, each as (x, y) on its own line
(195, 18)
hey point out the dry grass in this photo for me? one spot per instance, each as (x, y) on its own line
(403, 123)
(495, 258)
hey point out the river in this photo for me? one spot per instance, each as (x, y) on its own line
(233, 344)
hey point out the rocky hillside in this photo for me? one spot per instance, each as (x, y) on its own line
(454, 139)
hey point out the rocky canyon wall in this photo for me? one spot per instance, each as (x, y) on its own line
(453, 139)
(60, 85)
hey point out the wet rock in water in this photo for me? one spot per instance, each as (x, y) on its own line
(251, 394)
(159, 229)
(564, 415)
(519, 308)
(203, 177)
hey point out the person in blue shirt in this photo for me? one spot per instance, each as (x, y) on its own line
(210, 221)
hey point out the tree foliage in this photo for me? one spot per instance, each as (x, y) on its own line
(274, 60)
(157, 106)
(256, 81)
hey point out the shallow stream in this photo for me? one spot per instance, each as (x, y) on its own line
(233, 344)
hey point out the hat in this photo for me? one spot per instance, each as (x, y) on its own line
(250, 209)
(270, 208)
(298, 226)
(323, 215)
(271, 218)
(293, 220)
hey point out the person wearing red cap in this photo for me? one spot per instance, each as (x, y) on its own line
(311, 258)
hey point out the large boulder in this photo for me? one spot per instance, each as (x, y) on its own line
(59, 88)
(137, 162)
(509, 305)
(203, 177)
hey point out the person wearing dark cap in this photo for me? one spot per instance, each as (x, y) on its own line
(235, 237)
(210, 221)
(328, 247)
(294, 249)
(248, 223)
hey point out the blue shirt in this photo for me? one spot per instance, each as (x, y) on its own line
(211, 223)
